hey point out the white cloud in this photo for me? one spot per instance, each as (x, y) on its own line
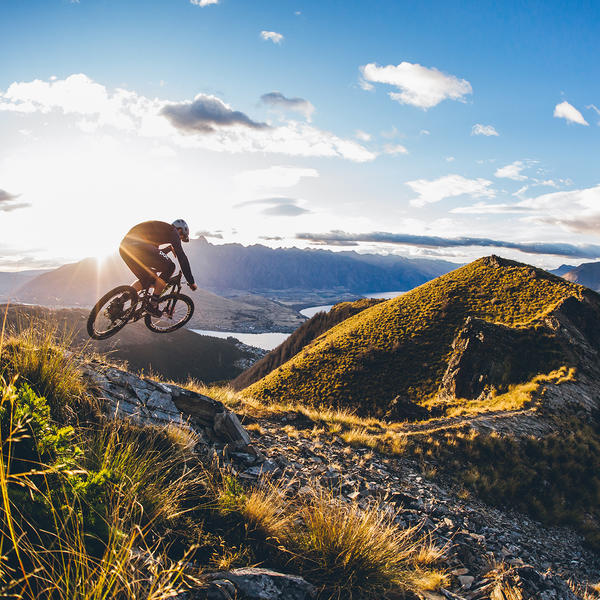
(365, 85)
(479, 129)
(77, 95)
(447, 187)
(394, 149)
(566, 111)
(419, 86)
(450, 159)
(390, 134)
(204, 122)
(425, 132)
(273, 177)
(204, 3)
(363, 136)
(574, 210)
(520, 193)
(273, 36)
(512, 171)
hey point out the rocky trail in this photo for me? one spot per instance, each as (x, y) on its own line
(477, 537)
(484, 546)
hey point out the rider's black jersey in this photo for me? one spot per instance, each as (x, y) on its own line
(159, 233)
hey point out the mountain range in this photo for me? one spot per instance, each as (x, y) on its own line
(223, 269)
(587, 274)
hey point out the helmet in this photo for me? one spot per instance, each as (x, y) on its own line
(181, 224)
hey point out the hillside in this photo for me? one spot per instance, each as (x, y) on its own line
(118, 486)
(177, 356)
(587, 274)
(408, 350)
(304, 335)
(10, 281)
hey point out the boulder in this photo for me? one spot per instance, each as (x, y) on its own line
(255, 584)
(149, 402)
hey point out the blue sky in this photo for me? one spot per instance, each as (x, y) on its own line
(385, 126)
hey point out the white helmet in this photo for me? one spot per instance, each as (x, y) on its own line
(181, 224)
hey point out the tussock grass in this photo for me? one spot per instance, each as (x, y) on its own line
(360, 553)
(39, 354)
(148, 464)
(346, 550)
(389, 442)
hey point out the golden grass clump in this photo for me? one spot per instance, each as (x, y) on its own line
(360, 553)
(346, 550)
(150, 465)
(39, 354)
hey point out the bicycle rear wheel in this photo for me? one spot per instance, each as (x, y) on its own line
(177, 311)
(112, 312)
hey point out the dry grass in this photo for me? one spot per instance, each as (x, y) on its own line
(55, 561)
(255, 428)
(346, 550)
(39, 354)
(265, 511)
(517, 397)
(150, 464)
(361, 553)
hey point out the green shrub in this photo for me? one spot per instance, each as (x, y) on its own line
(39, 355)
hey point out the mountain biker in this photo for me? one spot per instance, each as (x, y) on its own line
(151, 265)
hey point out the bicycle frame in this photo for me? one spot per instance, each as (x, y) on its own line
(173, 287)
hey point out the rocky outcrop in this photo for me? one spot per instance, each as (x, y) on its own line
(255, 584)
(145, 401)
(489, 357)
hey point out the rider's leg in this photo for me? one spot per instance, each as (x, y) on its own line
(167, 269)
(138, 257)
(159, 286)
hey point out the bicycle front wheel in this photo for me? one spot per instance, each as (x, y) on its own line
(177, 310)
(112, 312)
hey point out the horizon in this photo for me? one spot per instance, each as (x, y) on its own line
(433, 130)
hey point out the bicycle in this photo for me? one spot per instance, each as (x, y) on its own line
(124, 304)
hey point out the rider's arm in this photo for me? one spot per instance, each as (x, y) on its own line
(183, 259)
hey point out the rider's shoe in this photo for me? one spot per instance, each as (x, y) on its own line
(152, 309)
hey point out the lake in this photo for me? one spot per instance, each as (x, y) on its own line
(311, 311)
(268, 341)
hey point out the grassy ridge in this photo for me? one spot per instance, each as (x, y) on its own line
(304, 335)
(401, 347)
